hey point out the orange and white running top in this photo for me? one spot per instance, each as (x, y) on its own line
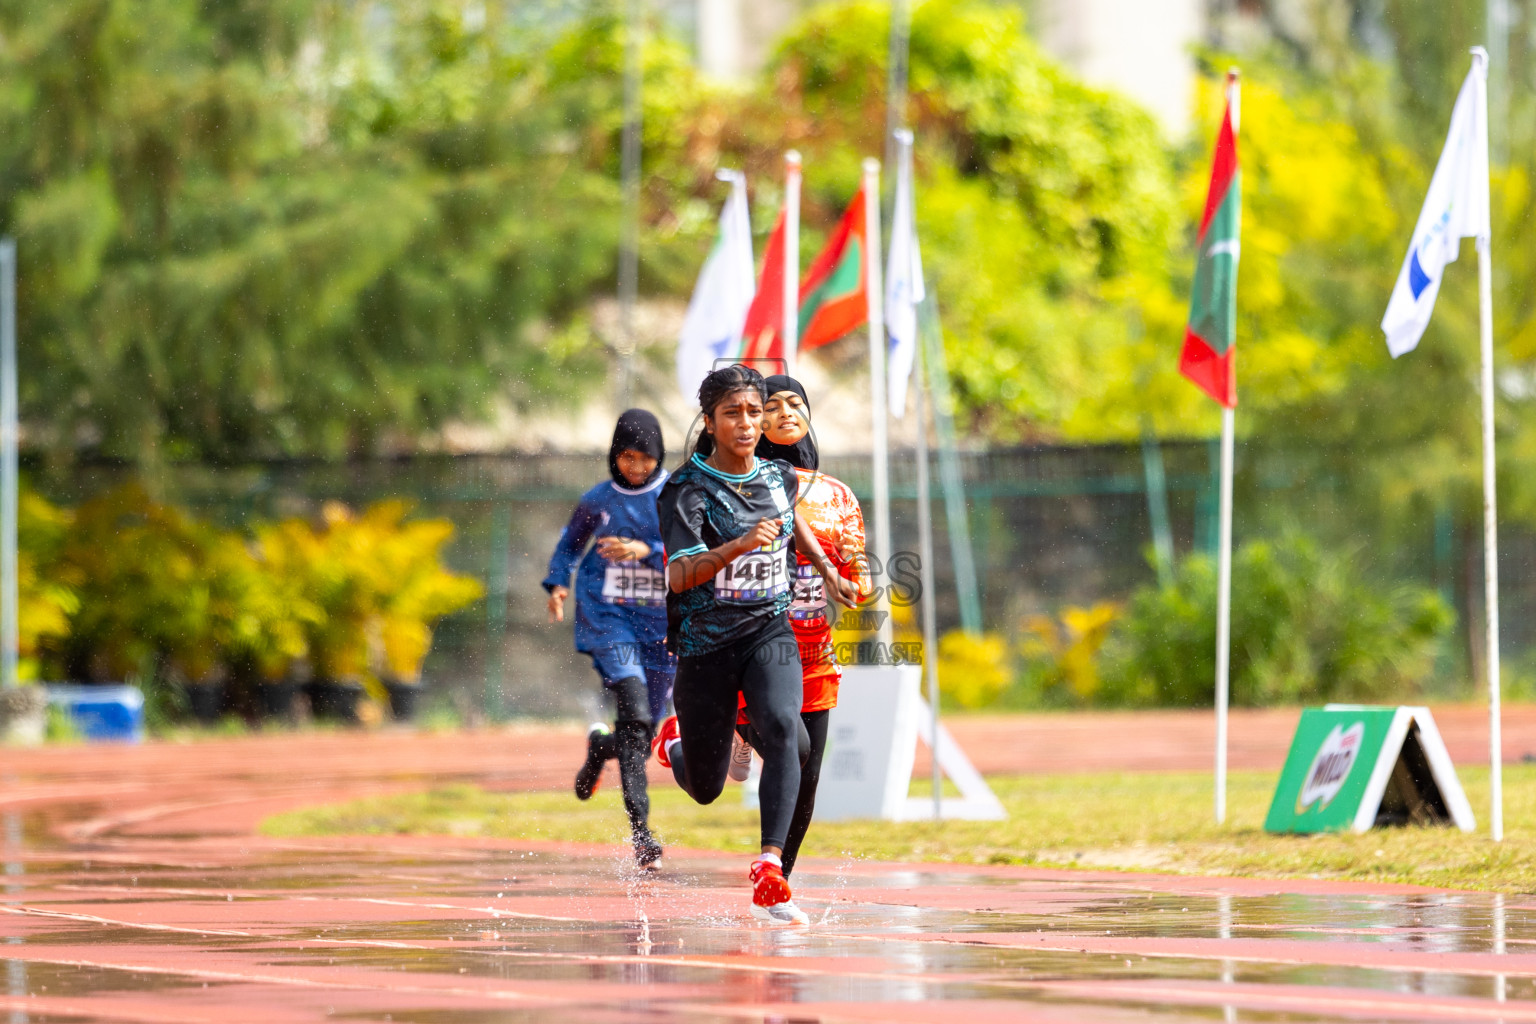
(834, 516)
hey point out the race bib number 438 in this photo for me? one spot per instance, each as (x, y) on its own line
(761, 574)
(633, 583)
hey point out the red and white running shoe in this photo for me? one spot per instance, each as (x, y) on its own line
(666, 734)
(769, 886)
(781, 913)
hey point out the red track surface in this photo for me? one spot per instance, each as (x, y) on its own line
(137, 890)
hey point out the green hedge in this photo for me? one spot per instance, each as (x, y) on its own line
(1306, 629)
(124, 586)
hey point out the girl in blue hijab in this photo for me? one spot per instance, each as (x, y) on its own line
(621, 612)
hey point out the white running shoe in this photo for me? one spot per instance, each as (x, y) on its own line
(741, 758)
(781, 913)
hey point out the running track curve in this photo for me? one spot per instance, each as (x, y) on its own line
(137, 890)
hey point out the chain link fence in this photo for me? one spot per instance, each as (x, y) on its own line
(1050, 526)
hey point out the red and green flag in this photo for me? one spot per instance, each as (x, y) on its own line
(762, 335)
(1210, 339)
(833, 294)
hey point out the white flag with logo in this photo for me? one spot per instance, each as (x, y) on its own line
(903, 283)
(722, 295)
(1455, 208)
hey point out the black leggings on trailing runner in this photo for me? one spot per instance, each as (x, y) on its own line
(765, 669)
(631, 745)
(810, 776)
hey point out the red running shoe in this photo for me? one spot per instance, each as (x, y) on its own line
(666, 734)
(769, 886)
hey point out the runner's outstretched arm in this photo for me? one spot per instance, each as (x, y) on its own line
(568, 549)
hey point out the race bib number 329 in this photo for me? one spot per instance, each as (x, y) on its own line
(633, 583)
(761, 574)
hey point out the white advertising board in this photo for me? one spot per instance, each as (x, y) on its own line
(872, 739)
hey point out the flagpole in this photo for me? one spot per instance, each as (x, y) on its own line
(1224, 555)
(904, 269)
(1490, 496)
(875, 293)
(1491, 546)
(930, 586)
(931, 337)
(791, 260)
(9, 608)
(1224, 614)
(629, 177)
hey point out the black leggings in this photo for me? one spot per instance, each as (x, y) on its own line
(810, 776)
(631, 745)
(765, 669)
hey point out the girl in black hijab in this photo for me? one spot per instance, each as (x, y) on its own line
(637, 431)
(782, 391)
(621, 612)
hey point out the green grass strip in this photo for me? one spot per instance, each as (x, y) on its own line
(1148, 822)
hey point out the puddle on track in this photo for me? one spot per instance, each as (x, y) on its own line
(134, 925)
(448, 926)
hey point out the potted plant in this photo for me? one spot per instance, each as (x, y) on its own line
(264, 637)
(44, 607)
(415, 590)
(133, 564)
(326, 568)
(375, 584)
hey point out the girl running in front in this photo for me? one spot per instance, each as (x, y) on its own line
(727, 518)
(621, 619)
(828, 506)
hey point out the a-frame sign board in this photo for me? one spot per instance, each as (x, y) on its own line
(1355, 767)
(872, 738)
(872, 742)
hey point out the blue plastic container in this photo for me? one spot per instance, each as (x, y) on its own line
(113, 714)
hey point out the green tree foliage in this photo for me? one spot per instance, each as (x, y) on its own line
(126, 586)
(311, 226)
(303, 226)
(1043, 202)
(320, 227)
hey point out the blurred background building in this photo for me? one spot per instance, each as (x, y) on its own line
(1142, 48)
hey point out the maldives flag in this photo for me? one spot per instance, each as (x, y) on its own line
(762, 334)
(833, 295)
(1210, 339)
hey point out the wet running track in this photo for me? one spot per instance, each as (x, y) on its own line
(136, 890)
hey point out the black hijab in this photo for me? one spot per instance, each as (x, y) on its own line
(801, 454)
(637, 431)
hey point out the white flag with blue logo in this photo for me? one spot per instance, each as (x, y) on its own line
(903, 283)
(723, 294)
(1455, 208)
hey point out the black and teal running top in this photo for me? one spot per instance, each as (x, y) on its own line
(701, 508)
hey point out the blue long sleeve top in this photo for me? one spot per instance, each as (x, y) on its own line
(616, 602)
